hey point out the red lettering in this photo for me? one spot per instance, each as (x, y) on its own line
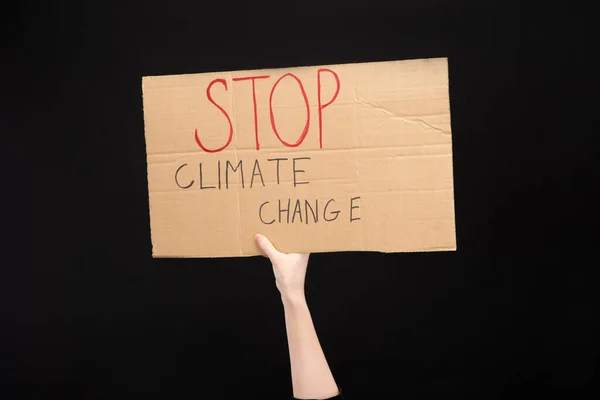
(208, 95)
(305, 131)
(253, 78)
(320, 107)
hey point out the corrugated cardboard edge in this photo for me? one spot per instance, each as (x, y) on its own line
(455, 248)
(430, 250)
(293, 67)
(146, 78)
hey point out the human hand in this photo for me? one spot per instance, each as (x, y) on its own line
(289, 270)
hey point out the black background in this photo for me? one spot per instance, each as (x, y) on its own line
(87, 313)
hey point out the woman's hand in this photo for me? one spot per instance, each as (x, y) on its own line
(289, 270)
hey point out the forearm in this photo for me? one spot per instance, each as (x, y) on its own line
(311, 376)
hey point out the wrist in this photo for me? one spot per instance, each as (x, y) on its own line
(293, 300)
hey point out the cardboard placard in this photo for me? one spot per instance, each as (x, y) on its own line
(318, 159)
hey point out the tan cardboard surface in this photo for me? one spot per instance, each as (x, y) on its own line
(359, 154)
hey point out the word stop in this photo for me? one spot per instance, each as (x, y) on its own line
(253, 79)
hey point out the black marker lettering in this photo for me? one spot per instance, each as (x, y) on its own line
(352, 207)
(238, 166)
(219, 172)
(201, 186)
(314, 213)
(297, 210)
(336, 213)
(298, 170)
(260, 214)
(277, 159)
(254, 173)
(286, 210)
(177, 181)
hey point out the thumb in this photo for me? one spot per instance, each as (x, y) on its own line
(266, 247)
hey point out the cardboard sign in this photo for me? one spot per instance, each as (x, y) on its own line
(318, 159)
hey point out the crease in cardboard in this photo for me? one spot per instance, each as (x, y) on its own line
(314, 151)
(148, 177)
(237, 160)
(357, 145)
(415, 190)
(417, 121)
(362, 232)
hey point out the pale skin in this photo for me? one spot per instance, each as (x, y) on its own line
(311, 375)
